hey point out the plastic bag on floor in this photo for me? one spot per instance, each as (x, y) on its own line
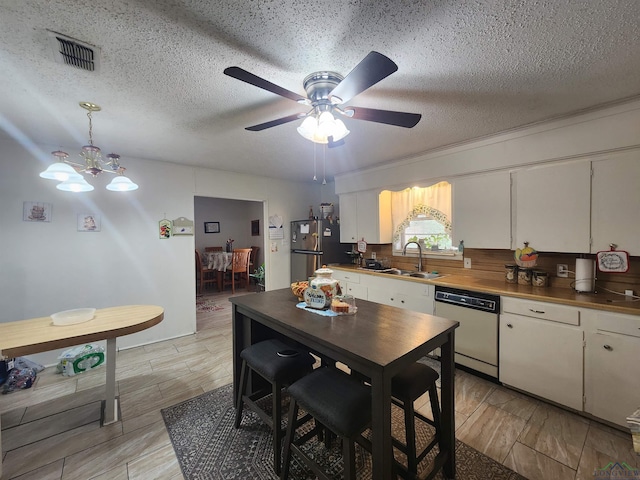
(23, 362)
(19, 378)
(80, 359)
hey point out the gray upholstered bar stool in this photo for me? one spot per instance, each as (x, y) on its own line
(406, 387)
(336, 401)
(280, 365)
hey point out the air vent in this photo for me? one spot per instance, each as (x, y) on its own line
(70, 51)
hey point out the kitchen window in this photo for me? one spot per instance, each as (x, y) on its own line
(423, 214)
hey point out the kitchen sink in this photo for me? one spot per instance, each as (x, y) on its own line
(412, 273)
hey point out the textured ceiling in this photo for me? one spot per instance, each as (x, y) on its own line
(470, 68)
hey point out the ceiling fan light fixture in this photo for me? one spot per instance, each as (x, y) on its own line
(318, 128)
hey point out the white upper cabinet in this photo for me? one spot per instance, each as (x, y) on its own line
(482, 210)
(552, 205)
(616, 203)
(365, 215)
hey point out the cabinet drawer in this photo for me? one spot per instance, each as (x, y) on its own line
(545, 311)
(343, 276)
(619, 323)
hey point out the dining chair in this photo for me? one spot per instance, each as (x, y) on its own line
(213, 249)
(254, 256)
(239, 270)
(204, 275)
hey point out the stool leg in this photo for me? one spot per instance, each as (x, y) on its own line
(410, 435)
(435, 409)
(288, 440)
(349, 458)
(277, 425)
(241, 390)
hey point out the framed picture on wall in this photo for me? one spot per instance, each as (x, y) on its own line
(211, 227)
(36, 212)
(88, 222)
(255, 228)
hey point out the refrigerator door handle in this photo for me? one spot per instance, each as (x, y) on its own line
(307, 252)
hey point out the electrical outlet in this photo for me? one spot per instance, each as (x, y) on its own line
(563, 270)
(373, 255)
(467, 263)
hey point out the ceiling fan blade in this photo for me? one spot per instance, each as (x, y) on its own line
(399, 119)
(248, 77)
(373, 68)
(276, 122)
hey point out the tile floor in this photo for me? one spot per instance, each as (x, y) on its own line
(538, 440)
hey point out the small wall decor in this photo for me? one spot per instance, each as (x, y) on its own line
(165, 228)
(211, 227)
(88, 222)
(255, 228)
(182, 226)
(36, 212)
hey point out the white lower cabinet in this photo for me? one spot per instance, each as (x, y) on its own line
(411, 295)
(540, 355)
(612, 368)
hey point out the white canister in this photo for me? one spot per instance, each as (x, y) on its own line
(585, 275)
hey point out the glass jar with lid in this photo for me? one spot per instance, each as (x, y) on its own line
(524, 276)
(511, 273)
(322, 289)
(540, 278)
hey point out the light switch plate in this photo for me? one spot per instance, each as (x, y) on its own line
(467, 263)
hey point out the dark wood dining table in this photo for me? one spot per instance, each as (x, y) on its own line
(378, 341)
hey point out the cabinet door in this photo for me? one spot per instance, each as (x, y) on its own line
(374, 216)
(612, 376)
(482, 211)
(357, 290)
(543, 358)
(552, 207)
(616, 203)
(348, 218)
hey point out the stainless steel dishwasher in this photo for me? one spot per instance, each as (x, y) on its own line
(476, 340)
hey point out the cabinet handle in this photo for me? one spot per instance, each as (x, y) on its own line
(536, 311)
(608, 347)
(509, 325)
(401, 301)
(392, 299)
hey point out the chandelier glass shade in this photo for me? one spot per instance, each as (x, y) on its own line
(70, 173)
(319, 127)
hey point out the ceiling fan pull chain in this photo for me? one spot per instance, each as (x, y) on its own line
(315, 178)
(324, 164)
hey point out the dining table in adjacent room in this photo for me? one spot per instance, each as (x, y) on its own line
(26, 337)
(379, 341)
(218, 261)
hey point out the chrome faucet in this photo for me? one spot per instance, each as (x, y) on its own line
(404, 252)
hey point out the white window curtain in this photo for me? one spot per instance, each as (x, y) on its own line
(434, 201)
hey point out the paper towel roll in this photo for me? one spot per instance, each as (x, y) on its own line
(585, 275)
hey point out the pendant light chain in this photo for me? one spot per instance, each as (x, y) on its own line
(90, 128)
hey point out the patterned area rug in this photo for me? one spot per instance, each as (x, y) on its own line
(209, 447)
(204, 304)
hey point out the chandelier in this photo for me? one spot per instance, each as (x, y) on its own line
(69, 173)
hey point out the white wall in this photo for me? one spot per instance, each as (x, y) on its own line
(48, 267)
(599, 131)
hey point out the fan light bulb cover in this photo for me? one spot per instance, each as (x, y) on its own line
(60, 171)
(122, 184)
(75, 185)
(320, 129)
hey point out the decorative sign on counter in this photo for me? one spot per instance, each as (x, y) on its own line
(614, 261)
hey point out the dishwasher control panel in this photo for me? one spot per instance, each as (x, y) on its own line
(463, 298)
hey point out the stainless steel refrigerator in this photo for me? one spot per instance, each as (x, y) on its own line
(314, 243)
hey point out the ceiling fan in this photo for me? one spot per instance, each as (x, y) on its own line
(326, 92)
